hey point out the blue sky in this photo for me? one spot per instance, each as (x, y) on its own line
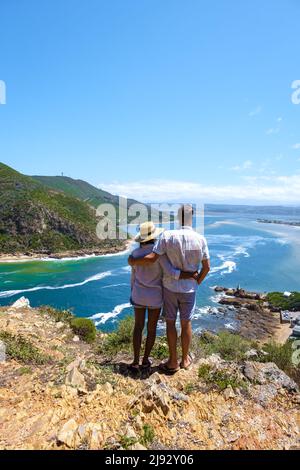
(156, 99)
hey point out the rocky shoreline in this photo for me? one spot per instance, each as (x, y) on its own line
(257, 318)
(82, 253)
(278, 222)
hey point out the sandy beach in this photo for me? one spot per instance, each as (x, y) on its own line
(67, 255)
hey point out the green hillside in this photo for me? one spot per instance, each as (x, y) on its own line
(77, 188)
(35, 218)
(90, 194)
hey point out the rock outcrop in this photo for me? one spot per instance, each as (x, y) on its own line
(76, 400)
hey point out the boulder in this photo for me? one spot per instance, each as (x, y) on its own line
(67, 433)
(264, 373)
(159, 397)
(229, 393)
(251, 353)
(263, 394)
(129, 432)
(108, 388)
(75, 379)
(22, 302)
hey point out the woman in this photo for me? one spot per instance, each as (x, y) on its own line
(147, 292)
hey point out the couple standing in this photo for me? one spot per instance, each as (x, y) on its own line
(165, 274)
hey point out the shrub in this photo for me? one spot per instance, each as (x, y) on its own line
(148, 435)
(230, 346)
(277, 299)
(24, 370)
(84, 328)
(20, 349)
(220, 378)
(160, 349)
(121, 338)
(57, 315)
(127, 442)
(280, 354)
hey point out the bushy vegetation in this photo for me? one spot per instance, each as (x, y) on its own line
(120, 339)
(280, 354)
(219, 378)
(228, 345)
(277, 299)
(57, 315)
(160, 349)
(84, 328)
(148, 435)
(21, 349)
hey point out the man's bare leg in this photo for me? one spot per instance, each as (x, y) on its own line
(172, 342)
(186, 338)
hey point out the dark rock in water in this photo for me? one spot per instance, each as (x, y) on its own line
(220, 289)
(222, 310)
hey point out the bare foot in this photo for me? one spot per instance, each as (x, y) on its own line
(186, 363)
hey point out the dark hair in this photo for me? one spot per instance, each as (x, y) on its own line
(148, 242)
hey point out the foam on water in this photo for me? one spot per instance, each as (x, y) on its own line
(226, 268)
(96, 277)
(104, 317)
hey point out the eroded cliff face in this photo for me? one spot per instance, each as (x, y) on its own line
(64, 394)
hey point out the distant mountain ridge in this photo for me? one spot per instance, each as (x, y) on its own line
(80, 189)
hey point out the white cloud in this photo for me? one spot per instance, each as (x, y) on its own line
(296, 146)
(279, 119)
(244, 166)
(262, 189)
(273, 130)
(255, 111)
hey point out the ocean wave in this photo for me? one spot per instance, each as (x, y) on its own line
(115, 285)
(126, 269)
(230, 326)
(217, 297)
(96, 277)
(226, 268)
(207, 310)
(108, 315)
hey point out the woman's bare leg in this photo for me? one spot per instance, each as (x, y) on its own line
(139, 314)
(153, 316)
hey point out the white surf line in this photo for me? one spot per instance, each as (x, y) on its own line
(96, 277)
(229, 265)
(108, 315)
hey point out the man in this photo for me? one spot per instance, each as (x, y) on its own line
(187, 251)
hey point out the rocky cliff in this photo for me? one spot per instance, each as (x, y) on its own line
(59, 392)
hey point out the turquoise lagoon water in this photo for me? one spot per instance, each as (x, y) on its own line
(259, 257)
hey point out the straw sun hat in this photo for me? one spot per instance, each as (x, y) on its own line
(148, 232)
